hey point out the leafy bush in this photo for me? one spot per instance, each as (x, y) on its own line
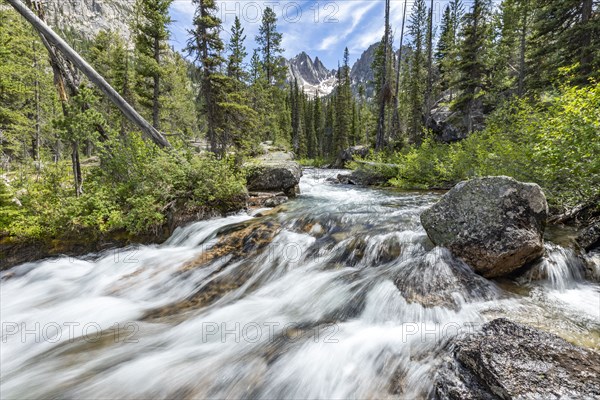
(133, 189)
(554, 143)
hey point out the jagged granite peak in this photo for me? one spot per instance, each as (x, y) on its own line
(362, 71)
(88, 17)
(312, 76)
(312, 72)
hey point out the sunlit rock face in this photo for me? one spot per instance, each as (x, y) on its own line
(88, 17)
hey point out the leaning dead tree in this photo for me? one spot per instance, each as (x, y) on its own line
(49, 37)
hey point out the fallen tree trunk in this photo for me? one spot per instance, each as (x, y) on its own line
(92, 75)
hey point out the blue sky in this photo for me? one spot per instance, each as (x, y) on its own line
(321, 28)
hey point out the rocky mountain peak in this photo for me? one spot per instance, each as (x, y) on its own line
(88, 17)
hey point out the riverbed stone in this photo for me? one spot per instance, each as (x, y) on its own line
(495, 224)
(274, 175)
(507, 360)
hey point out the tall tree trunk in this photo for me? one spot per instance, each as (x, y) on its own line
(77, 178)
(429, 90)
(38, 117)
(523, 40)
(156, 94)
(396, 119)
(52, 38)
(586, 40)
(380, 139)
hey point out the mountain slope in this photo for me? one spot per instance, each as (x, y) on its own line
(311, 75)
(88, 17)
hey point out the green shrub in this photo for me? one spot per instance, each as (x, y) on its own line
(553, 143)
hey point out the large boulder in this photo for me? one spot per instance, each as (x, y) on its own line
(274, 176)
(451, 126)
(495, 224)
(512, 361)
(348, 155)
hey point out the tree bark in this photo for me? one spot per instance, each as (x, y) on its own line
(523, 39)
(396, 119)
(586, 40)
(77, 178)
(428, 92)
(38, 123)
(70, 54)
(380, 139)
(156, 94)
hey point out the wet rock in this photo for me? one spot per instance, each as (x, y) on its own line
(512, 361)
(592, 265)
(439, 280)
(274, 175)
(237, 243)
(348, 155)
(345, 179)
(266, 200)
(589, 238)
(495, 224)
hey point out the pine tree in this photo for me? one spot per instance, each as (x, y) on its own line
(417, 29)
(270, 46)
(473, 65)
(429, 90)
(396, 112)
(566, 33)
(343, 120)
(207, 47)
(179, 112)
(319, 123)
(256, 69)
(27, 93)
(295, 108)
(151, 36)
(235, 68)
(384, 89)
(109, 56)
(447, 48)
(309, 129)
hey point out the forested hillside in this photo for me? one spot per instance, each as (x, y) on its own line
(509, 88)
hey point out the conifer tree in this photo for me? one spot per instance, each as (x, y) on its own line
(566, 33)
(417, 29)
(235, 67)
(446, 54)
(269, 40)
(151, 30)
(384, 89)
(473, 65)
(207, 47)
(343, 126)
(319, 122)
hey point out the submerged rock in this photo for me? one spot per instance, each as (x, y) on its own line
(495, 224)
(512, 361)
(274, 175)
(439, 280)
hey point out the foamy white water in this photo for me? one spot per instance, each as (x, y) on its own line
(348, 299)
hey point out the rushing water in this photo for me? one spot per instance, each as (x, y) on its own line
(339, 295)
